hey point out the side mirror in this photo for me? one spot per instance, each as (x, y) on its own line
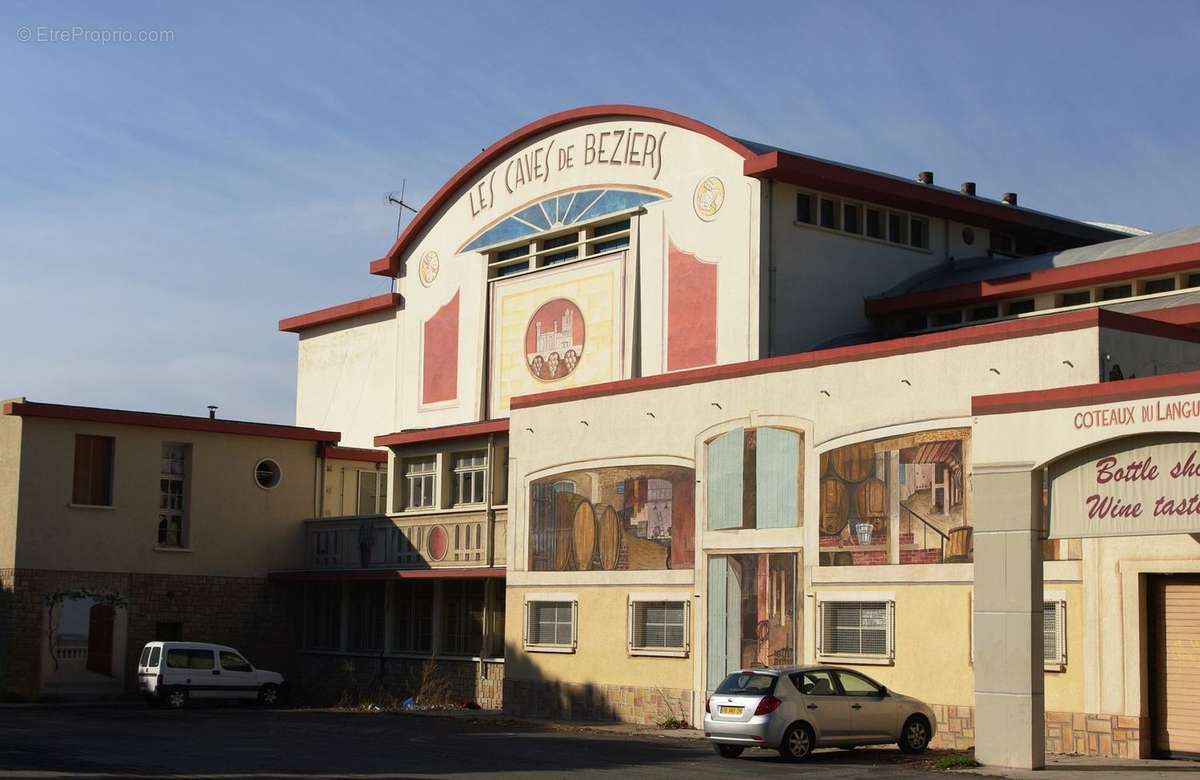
(883, 691)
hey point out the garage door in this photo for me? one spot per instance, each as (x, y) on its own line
(1175, 665)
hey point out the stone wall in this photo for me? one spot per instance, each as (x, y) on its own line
(582, 701)
(325, 678)
(1106, 736)
(252, 615)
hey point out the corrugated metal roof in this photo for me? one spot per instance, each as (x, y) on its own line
(978, 269)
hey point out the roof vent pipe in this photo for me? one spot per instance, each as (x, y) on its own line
(1010, 198)
(967, 188)
(212, 411)
(925, 177)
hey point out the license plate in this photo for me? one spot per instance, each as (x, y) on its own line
(730, 710)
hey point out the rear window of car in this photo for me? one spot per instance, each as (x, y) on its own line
(190, 659)
(749, 684)
(155, 654)
(145, 656)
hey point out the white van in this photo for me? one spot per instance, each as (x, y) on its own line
(171, 673)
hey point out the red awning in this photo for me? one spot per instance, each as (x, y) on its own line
(343, 575)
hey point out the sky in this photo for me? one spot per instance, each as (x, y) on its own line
(164, 202)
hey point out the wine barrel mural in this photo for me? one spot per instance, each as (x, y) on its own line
(903, 499)
(613, 518)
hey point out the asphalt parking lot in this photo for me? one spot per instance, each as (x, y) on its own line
(247, 742)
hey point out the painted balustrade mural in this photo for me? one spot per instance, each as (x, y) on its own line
(905, 499)
(613, 518)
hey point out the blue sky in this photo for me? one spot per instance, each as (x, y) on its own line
(162, 205)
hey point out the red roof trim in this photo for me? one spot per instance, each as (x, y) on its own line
(177, 422)
(353, 453)
(443, 433)
(1078, 395)
(389, 264)
(388, 574)
(1111, 269)
(340, 312)
(840, 179)
(976, 334)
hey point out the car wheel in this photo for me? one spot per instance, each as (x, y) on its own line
(268, 695)
(176, 698)
(797, 743)
(728, 751)
(914, 737)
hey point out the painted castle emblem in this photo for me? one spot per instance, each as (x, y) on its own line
(554, 340)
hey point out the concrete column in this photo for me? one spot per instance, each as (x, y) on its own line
(1010, 707)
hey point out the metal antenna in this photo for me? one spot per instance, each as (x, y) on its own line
(390, 199)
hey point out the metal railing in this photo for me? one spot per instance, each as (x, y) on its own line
(926, 527)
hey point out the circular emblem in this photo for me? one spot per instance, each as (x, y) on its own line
(710, 196)
(554, 340)
(428, 268)
(438, 543)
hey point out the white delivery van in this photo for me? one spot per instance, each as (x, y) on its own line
(172, 673)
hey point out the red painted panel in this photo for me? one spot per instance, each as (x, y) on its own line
(691, 310)
(439, 363)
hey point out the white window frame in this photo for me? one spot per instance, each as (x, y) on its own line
(1057, 599)
(412, 476)
(888, 658)
(166, 512)
(586, 245)
(461, 472)
(551, 598)
(656, 598)
(381, 485)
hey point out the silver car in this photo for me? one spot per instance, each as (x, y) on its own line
(795, 709)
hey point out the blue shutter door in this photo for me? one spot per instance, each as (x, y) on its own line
(717, 573)
(725, 480)
(778, 478)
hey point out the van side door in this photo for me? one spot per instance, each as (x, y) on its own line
(203, 677)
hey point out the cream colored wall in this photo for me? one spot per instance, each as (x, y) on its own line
(821, 275)
(687, 158)
(1113, 610)
(340, 485)
(346, 377)
(10, 469)
(236, 528)
(602, 655)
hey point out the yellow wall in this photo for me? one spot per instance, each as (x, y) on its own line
(237, 529)
(602, 655)
(933, 644)
(10, 465)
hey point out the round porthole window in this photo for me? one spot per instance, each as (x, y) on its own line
(267, 474)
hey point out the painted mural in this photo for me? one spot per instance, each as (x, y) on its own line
(752, 612)
(615, 518)
(904, 499)
(554, 339)
(561, 327)
(691, 310)
(439, 355)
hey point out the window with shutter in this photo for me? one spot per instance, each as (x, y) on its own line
(754, 479)
(1054, 644)
(856, 628)
(550, 625)
(658, 627)
(93, 476)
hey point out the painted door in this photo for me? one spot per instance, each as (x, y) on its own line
(100, 639)
(1174, 658)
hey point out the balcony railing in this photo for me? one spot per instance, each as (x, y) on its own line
(398, 542)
